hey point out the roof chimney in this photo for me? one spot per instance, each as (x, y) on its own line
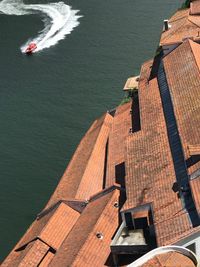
(166, 25)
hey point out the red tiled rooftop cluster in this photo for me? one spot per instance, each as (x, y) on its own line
(86, 202)
(79, 221)
(185, 23)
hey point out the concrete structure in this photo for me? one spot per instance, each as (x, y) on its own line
(133, 183)
(131, 83)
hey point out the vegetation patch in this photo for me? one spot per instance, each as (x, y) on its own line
(131, 94)
(186, 4)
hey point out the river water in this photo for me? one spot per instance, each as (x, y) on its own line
(48, 100)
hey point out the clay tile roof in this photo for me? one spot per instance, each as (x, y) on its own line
(92, 179)
(82, 160)
(195, 7)
(116, 145)
(149, 165)
(82, 243)
(195, 186)
(31, 234)
(182, 68)
(52, 228)
(106, 225)
(59, 226)
(47, 259)
(183, 26)
(169, 259)
(194, 150)
(34, 255)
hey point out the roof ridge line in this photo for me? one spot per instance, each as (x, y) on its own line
(104, 124)
(191, 20)
(57, 204)
(104, 192)
(191, 42)
(91, 233)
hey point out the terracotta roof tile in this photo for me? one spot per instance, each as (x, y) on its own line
(177, 259)
(47, 259)
(83, 238)
(169, 259)
(91, 148)
(59, 226)
(92, 179)
(194, 150)
(116, 146)
(182, 26)
(195, 186)
(71, 179)
(51, 228)
(31, 234)
(150, 170)
(35, 254)
(195, 7)
(182, 68)
(106, 225)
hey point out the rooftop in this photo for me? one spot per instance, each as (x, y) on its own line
(184, 24)
(145, 153)
(150, 169)
(122, 122)
(68, 235)
(182, 68)
(171, 256)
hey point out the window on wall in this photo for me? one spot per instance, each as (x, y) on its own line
(192, 247)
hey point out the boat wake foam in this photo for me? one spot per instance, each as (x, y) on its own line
(59, 20)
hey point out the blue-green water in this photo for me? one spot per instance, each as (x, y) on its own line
(48, 100)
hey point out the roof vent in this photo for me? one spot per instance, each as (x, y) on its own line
(166, 26)
(99, 235)
(116, 204)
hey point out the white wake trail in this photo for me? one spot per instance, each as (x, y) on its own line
(60, 20)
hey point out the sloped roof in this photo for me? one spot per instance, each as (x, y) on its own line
(195, 186)
(169, 259)
(81, 246)
(183, 25)
(195, 7)
(59, 226)
(47, 259)
(182, 68)
(72, 183)
(92, 179)
(35, 254)
(116, 145)
(31, 234)
(68, 236)
(45, 233)
(31, 255)
(150, 170)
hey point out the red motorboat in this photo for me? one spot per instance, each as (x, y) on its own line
(31, 48)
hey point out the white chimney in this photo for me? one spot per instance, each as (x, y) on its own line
(166, 26)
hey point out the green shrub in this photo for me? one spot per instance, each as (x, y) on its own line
(186, 4)
(131, 94)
